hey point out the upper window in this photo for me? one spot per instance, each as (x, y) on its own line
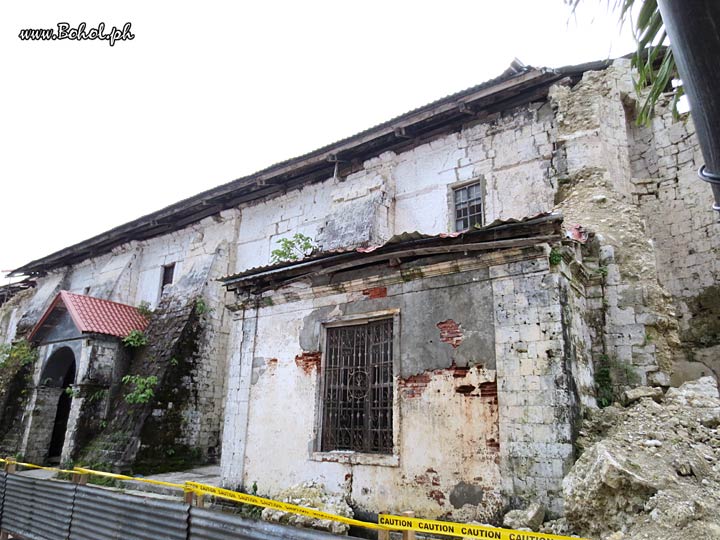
(468, 207)
(168, 271)
(358, 388)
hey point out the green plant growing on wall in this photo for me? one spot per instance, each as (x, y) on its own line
(555, 257)
(201, 307)
(135, 339)
(144, 309)
(293, 249)
(143, 388)
(610, 375)
(21, 353)
(603, 383)
(72, 392)
(98, 395)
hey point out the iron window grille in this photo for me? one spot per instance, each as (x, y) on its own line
(468, 207)
(358, 388)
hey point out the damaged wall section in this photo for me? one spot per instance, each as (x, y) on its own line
(480, 372)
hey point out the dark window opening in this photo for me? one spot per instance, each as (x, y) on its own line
(167, 274)
(358, 392)
(468, 207)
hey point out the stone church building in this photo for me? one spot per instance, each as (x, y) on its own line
(487, 267)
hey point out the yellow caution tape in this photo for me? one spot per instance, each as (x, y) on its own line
(204, 489)
(32, 466)
(385, 521)
(461, 529)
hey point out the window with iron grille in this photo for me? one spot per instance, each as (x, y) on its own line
(468, 207)
(358, 388)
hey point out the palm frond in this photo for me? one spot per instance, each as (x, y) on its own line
(650, 35)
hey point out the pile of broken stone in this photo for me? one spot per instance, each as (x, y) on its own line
(648, 470)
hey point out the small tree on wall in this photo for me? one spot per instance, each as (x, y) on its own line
(295, 248)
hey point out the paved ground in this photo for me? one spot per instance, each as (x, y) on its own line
(210, 474)
(38, 473)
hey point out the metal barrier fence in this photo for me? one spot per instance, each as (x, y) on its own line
(209, 525)
(101, 514)
(35, 509)
(3, 475)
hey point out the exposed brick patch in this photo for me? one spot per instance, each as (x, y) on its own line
(375, 292)
(450, 332)
(429, 478)
(459, 372)
(438, 496)
(414, 385)
(489, 392)
(493, 445)
(307, 361)
(272, 362)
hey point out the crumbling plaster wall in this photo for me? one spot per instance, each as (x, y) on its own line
(510, 154)
(444, 397)
(338, 213)
(485, 395)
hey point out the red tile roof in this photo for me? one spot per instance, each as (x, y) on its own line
(96, 316)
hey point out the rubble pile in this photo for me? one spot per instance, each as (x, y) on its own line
(650, 470)
(311, 495)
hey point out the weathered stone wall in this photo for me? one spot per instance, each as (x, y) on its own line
(483, 386)
(685, 234)
(510, 154)
(647, 307)
(640, 336)
(544, 372)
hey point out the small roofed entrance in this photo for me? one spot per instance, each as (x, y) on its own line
(59, 373)
(81, 362)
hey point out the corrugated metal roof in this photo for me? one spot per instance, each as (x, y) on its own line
(96, 316)
(210, 201)
(396, 240)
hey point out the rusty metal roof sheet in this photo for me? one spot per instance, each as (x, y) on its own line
(544, 223)
(96, 316)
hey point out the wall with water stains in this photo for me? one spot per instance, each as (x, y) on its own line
(454, 375)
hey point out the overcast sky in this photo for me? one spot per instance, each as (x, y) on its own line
(93, 136)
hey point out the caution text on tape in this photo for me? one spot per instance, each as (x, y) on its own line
(462, 529)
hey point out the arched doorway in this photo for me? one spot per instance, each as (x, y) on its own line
(59, 373)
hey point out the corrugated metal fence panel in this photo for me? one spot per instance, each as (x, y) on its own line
(101, 514)
(210, 525)
(37, 509)
(3, 475)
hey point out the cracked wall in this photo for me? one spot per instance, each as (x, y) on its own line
(481, 367)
